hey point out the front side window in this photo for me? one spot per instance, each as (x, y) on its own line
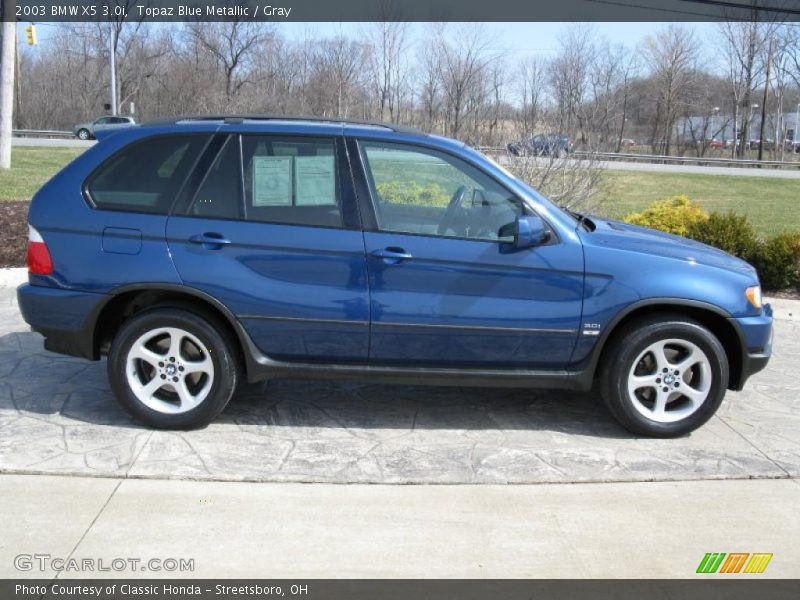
(145, 176)
(418, 190)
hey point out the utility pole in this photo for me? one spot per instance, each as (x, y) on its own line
(9, 48)
(764, 103)
(112, 60)
(18, 87)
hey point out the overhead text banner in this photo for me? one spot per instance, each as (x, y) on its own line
(402, 10)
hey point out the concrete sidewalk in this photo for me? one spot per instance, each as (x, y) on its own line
(623, 530)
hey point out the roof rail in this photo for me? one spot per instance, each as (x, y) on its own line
(235, 119)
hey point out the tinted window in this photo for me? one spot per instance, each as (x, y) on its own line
(145, 176)
(291, 180)
(424, 191)
(219, 196)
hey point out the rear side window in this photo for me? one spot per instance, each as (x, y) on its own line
(219, 197)
(291, 180)
(146, 176)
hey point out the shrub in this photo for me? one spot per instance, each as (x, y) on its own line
(432, 194)
(778, 261)
(729, 231)
(673, 215)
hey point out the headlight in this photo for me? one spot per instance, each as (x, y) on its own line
(754, 295)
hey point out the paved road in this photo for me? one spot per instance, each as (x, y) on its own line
(623, 530)
(52, 143)
(656, 168)
(57, 416)
(731, 171)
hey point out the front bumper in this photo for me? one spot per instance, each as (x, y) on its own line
(65, 318)
(756, 335)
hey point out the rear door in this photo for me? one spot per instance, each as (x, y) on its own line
(272, 232)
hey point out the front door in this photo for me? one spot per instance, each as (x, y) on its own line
(447, 286)
(273, 234)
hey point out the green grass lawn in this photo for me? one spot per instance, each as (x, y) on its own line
(30, 168)
(771, 204)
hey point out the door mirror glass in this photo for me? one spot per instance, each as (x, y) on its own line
(527, 230)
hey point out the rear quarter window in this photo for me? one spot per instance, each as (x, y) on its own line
(145, 176)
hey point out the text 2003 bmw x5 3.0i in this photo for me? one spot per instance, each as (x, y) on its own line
(200, 252)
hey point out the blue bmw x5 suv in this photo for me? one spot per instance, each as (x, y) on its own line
(198, 253)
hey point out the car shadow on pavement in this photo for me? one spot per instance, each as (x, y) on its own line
(56, 387)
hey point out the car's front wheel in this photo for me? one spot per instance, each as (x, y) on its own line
(83, 134)
(664, 376)
(172, 369)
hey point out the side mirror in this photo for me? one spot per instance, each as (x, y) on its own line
(528, 231)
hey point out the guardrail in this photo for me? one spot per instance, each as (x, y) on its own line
(704, 161)
(41, 133)
(689, 160)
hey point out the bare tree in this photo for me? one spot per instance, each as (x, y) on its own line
(532, 89)
(390, 65)
(429, 84)
(569, 74)
(743, 44)
(337, 77)
(672, 57)
(464, 66)
(573, 183)
(232, 45)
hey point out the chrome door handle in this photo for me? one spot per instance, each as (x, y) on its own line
(213, 241)
(392, 254)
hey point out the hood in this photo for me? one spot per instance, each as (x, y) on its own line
(633, 238)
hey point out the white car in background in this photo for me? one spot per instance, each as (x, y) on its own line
(86, 131)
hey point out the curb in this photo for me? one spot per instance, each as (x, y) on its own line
(13, 277)
(783, 309)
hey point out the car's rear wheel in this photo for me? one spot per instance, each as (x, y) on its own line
(83, 134)
(664, 376)
(172, 369)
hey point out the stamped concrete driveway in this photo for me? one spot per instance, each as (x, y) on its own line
(57, 416)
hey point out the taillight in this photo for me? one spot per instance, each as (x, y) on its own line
(39, 261)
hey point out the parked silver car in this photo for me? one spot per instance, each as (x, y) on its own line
(85, 131)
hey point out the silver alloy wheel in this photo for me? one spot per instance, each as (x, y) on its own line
(169, 370)
(669, 380)
(83, 134)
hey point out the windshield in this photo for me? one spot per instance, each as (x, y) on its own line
(576, 217)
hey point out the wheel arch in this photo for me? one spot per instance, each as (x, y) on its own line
(127, 301)
(715, 319)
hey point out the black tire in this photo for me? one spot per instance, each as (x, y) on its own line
(626, 347)
(216, 346)
(83, 134)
